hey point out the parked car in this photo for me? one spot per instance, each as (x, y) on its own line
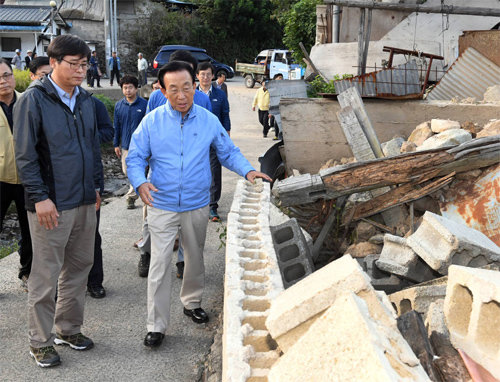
(200, 54)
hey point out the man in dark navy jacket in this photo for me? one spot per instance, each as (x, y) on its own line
(129, 112)
(220, 107)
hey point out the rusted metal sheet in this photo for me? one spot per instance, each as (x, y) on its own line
(400, 81)
(469, 76)
(476, 203)
(486, 42)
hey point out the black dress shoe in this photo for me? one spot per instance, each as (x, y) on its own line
(96, 291)
(198, 315)
(153, 339)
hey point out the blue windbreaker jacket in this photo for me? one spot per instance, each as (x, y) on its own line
(178, 152)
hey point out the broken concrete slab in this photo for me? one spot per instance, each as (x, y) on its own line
(472, 311)
(363, 249)
(421, 133)
(490, 129)
(446, 138)
(408, 147)
(399, 258)
(392, 147)
(347, 343)
(419, 297)
(441, 242)
(296, 308)
(440, 125)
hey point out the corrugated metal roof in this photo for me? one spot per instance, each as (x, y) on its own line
(402, 80)
(469, 76)
(21, 14)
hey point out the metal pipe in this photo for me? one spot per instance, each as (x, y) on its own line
(336, 23)
(115, 29)
(361, 34)
(107, 38)
(422, 8)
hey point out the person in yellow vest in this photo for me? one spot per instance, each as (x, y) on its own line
(261, 100)
(11, 189)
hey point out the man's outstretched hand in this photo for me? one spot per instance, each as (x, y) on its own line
(145, 193)
(252, 175)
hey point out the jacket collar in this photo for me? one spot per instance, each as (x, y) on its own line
(46, 85)
(177, 114)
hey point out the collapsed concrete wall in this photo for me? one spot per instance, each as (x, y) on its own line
(252, 281)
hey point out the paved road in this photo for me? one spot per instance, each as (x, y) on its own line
(117, 322)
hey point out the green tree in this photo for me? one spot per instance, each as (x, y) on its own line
(300, 26)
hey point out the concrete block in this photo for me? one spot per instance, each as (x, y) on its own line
(441, 242)
(419, 297)
(440, 125)
(252, 280)
(276, 217)
(446, 138)
(294, 310)
(381, 280)
(392, 147)
(398, 258)
(420, 134)
(472, 312)
(293, 254)
(346, 343)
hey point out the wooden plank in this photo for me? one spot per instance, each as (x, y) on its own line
(314, 68)
(354, 134)
(398, 196)
(351, 97)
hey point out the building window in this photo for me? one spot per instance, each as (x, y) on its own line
(10, 44)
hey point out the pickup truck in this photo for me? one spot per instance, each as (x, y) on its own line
(267, 64)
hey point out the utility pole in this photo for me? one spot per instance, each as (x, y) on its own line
(53, 5)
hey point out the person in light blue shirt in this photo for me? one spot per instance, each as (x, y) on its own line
(175, 140)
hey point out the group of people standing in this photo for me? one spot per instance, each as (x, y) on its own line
(53, 133)
(17, 61)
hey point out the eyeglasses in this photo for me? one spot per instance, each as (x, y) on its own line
(6, 76)
(184, 90)
(205, 75)
(75, 66)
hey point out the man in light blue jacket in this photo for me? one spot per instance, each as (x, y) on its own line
(114, 68)
(176, 138)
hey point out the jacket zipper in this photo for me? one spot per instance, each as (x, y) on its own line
(182, 161)
(81, 152)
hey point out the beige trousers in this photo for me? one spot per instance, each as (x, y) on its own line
(65, 253)
(163, 227)
(131, 194)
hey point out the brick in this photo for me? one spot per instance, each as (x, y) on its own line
(292, 251)
(347, 344)
(441, 242)
(472, 312)
(294, 310)
(398, 258)
(419, 297)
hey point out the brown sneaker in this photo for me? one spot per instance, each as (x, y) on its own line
(76, 341)
(46, 356)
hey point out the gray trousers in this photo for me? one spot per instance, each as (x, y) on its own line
(65, 253)
(163, 227)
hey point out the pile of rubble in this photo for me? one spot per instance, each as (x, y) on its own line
(420, 217)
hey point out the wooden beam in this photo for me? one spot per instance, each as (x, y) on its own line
(422, 8)
(308, 59)
(361, 35)
(403, 194)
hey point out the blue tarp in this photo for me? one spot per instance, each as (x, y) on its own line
(22, 28)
